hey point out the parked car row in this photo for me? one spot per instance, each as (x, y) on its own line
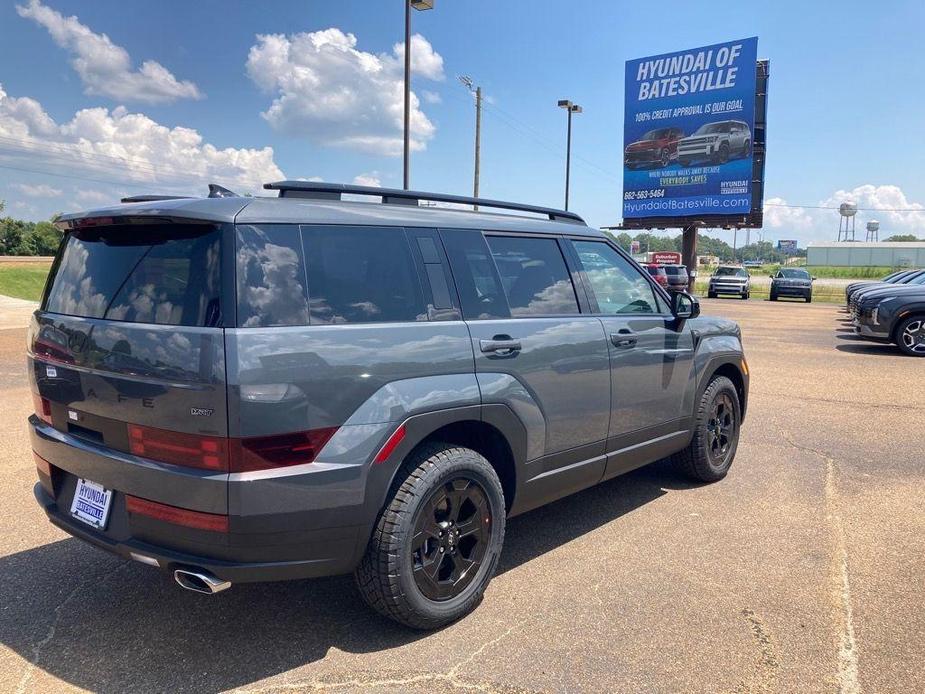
(891, 310)
(674, 278)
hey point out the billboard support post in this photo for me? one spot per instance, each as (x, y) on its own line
(689, 254)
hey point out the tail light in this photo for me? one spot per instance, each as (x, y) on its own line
(228, 455)
(179, 516)
(42, 407)
(190, 450)
(283, 450)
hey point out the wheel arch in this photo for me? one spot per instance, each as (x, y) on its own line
(918, 311)
(493, 431)
(730, 367)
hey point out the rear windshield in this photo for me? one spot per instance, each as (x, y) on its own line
(166, 274)
(675, 270)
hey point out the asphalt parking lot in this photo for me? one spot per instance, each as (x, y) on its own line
(803, 571)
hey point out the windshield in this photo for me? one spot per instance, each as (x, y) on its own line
(711, 128)
(794, 274)
(730, 272)
(655, 134)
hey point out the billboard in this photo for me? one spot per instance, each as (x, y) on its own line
(689, 132)
(788, 246)
(665, 257)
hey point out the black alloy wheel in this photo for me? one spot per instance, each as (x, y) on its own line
(723, 155)
(451, 535)
(722, 430)
(665, 157)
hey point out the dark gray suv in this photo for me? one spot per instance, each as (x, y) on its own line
(240, 389)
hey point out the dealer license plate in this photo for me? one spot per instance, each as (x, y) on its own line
(91, 503)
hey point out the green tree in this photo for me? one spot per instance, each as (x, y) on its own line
(903, 237)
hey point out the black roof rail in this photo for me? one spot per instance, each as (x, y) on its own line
(394, 196)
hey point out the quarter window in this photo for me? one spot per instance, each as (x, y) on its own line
(617, 285)
(533, 275)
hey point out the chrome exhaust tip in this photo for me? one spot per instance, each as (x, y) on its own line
(200, 581)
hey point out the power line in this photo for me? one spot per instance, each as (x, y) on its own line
(860, 209)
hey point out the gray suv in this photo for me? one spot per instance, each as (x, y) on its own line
(239, 389)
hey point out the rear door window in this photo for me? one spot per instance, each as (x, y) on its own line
(477, 281)
(361, 275)
(166, 274)
(533, 273)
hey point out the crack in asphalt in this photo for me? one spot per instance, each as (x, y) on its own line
(40, 645)
(450, 678)
(835, 401)
(767, 660)
(848, 682)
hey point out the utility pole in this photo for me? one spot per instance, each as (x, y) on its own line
(468, 83)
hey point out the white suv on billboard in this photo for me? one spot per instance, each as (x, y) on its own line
(717, 142)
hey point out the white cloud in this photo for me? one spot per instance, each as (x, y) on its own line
(431, 97)
(776, 216)
(888, 204)
(328, 90)
(368, 179)
(97, 196)
(130, 147)
(39, 190)
(105, 68)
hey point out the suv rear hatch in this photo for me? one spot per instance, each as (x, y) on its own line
(127, 368)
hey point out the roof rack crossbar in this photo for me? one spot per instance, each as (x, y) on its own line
(394, 196)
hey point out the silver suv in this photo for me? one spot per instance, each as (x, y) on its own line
(716, 142)
(730, 279)
(238, 389)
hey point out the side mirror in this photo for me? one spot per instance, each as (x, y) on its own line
(771, 275)
(812, 279)
(684, 306)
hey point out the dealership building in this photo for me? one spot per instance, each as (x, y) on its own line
(866, 254)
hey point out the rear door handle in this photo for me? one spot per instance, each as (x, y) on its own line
(623, 340)
(500, 345)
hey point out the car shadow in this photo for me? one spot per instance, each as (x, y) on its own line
(104, 624)
(869, 348)
(853, 337)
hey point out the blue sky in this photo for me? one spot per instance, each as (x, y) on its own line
(846, 99)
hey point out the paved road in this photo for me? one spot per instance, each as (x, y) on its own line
(802, 571)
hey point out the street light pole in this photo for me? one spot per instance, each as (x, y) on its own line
(418, 5)
(467, 82)
(570, 108)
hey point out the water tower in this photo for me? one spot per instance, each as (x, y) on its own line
(847, 212)
(873, 230)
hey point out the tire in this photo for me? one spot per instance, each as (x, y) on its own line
(706, 458)
(722, 154)
(392, 576)
(664, 158)
(809, 298)
(711, 295)
(773, 297)
(746, 148)
(910, 336)
(746, 295)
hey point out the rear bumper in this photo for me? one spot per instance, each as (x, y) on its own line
(234, 571)
(313, 521)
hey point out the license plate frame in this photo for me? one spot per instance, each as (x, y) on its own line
(92, 503)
